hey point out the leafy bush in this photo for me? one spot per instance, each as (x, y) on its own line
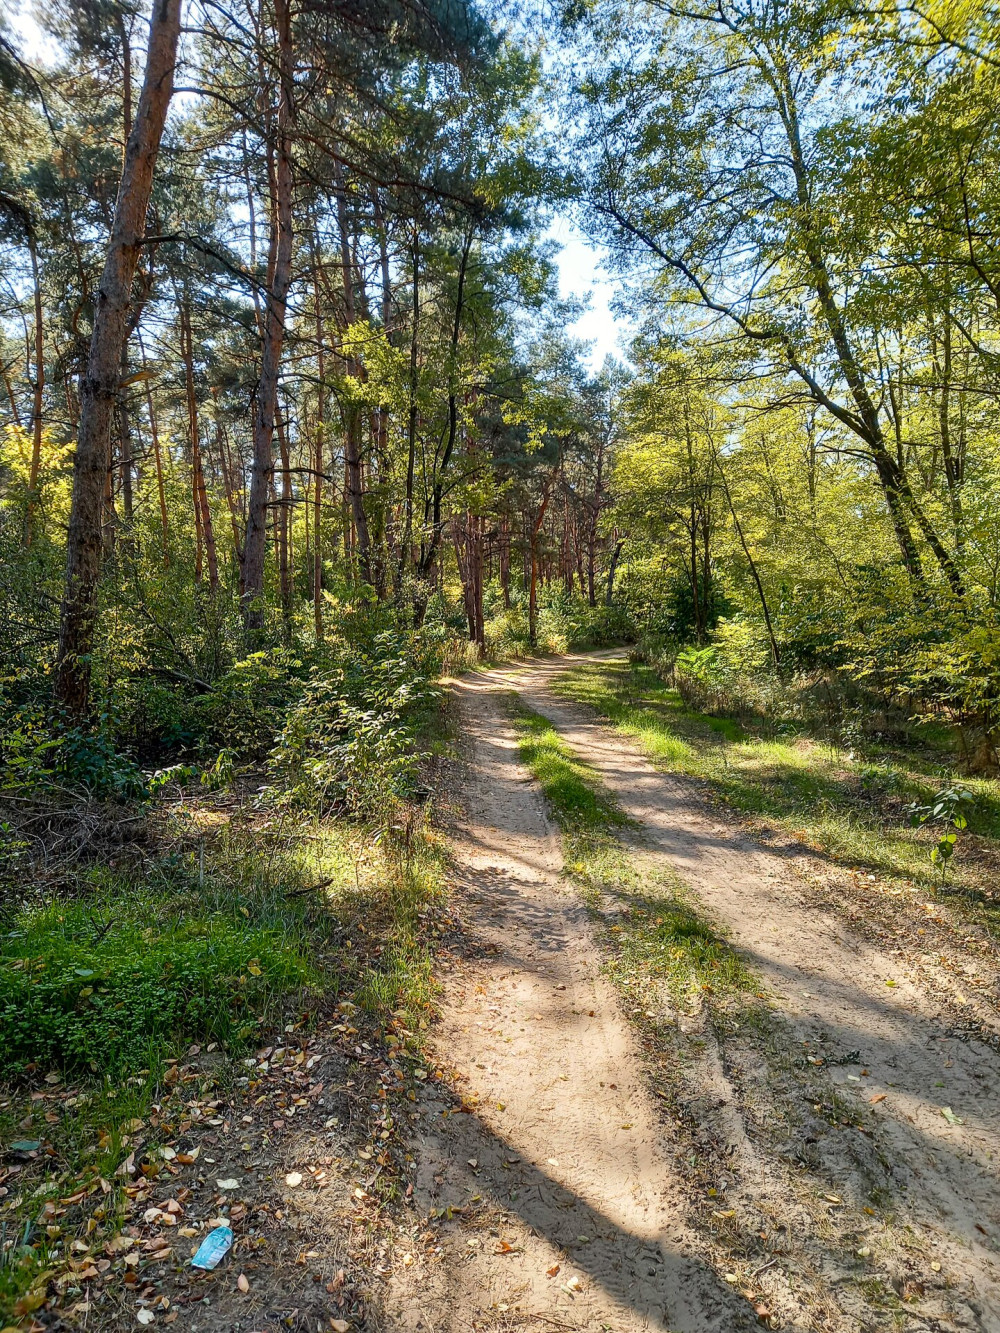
(348, 743)
(74, 993)
(40, 756)
(506, 631)
(242, 710)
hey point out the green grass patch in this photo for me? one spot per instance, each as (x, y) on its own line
(653, 931)
(578, 801)
(213, 943)
(849, 808)
(74, 993)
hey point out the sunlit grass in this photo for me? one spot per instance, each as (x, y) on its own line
(654, 932)
(578, 801)
(848, 808)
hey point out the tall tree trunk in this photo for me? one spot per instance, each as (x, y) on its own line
(352, 412)
(37, 391)
(252, 230)
(468, 534)
(125, 459)
(609, 594)
(157, 459)
(317, 573)
(160, 489)
(429, 554)
(225, 466)
(505, 561)
(952, 465)
(285, 571)
(100, 383)
(412, 418)
(765, 610)
(280, 271)
(126, 41)
(204, 527)
(109, 516)
(480, 626)
(533, 581)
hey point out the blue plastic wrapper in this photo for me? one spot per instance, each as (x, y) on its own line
(213, 1248)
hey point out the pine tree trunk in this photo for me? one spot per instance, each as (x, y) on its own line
(157, 462)
(100, 383)
(37, 392)
(202, 513)
(280, 269)
(352, 422)
(285, 570)
(318, 466)
(125, 448)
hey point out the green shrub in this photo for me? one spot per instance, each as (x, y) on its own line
(348, 743)
(39, 756)
(506, 631)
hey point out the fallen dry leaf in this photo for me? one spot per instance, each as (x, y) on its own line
(551, 1272)
(879, 1097)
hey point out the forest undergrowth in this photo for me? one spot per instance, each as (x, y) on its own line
(199, 918)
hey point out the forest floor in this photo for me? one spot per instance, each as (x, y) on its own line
(682, 1078)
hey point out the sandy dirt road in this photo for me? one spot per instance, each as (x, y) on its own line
(574, 1208)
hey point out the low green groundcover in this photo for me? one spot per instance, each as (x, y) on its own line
(78, 992)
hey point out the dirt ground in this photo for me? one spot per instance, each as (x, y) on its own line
(850, 1199)
(568, 1158)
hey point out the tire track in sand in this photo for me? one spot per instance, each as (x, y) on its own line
(570, 1167)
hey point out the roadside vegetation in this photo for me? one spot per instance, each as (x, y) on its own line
(280, 868)
(868, 805)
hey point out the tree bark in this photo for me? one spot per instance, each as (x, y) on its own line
(318, 464)
(125, 447)
(411, 426)
(225, 465)
(352, 413)
(429, 553)
(533, 580)
(284, 529)
(612, 570)
(37, 391)
(280, 277)
(203, 514)
(157, 459)
(765, 610)
(505, 561)
(99, 385)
